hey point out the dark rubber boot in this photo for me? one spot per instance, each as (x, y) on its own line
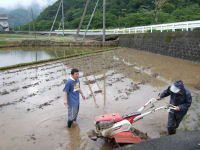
(69, 124)
(171, 131)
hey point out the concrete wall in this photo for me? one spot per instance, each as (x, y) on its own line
(185, 45)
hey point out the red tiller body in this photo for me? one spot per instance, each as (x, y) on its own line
(109, 117)
(115, 117)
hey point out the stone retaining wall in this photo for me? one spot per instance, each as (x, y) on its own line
(79, 43)
(185, 45)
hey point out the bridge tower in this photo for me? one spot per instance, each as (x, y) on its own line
(4, 22)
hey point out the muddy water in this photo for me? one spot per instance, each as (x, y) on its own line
(32, 114)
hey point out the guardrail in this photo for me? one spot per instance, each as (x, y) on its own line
(143, 29)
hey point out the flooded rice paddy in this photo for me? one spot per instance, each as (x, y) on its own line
(32, 111)
(17, 55)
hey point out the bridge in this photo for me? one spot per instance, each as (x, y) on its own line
(4, 22)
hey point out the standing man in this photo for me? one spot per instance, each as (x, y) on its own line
(71, 96)
(179, 97)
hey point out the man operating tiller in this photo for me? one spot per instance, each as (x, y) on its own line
(180, 97)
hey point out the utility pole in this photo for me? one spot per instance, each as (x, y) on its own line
(55, 18)
(63, 17)
(33, 22)
(82, 18)
(90, 19)
(104, 20)
(29, 28)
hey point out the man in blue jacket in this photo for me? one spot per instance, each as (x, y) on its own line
(71, 96)
(179, 97)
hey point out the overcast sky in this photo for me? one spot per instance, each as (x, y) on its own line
(11, 4)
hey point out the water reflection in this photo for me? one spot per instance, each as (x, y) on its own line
(19, 56)
(13, 56)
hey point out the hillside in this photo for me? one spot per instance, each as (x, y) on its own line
(20, 16)
(126, 13)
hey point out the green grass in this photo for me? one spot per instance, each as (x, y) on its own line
(185, 117)
(185, 125)
(197, 124)
(3, 43)
(11, 39)
(20, 37)
(197, 99)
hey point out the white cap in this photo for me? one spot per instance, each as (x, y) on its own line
(174, 89)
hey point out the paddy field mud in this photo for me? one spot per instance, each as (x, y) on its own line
(32, 111)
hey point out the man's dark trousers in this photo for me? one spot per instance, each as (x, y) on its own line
(174, 119)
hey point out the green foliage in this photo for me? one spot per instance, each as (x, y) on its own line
(169, 7)
(197, 99)
(191, 12)
(126, 13)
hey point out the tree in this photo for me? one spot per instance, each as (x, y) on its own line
(119, 13)
(169, 7)
(159, 4)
